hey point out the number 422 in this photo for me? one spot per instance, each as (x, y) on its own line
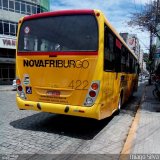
(79, 85)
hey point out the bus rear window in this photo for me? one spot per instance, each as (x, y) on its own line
(60, 33)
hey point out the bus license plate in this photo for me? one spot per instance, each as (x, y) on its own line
(53, 93)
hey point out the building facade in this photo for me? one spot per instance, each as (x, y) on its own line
(133, 43)
(10, 13)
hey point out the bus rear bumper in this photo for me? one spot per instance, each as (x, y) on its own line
(89, 112)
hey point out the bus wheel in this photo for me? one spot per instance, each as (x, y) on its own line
(119, 106)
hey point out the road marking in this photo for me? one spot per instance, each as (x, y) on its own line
(127, 148)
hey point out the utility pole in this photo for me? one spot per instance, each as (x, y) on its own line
(153, 30)
(150, 55)
(157, 13)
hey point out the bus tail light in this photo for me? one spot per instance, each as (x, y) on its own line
(92, 93)
(20, 89)
(18, 81)
(89, 100)
(94, 86)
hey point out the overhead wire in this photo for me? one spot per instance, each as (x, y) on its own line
(144, 44)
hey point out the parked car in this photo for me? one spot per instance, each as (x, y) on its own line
(14, 85)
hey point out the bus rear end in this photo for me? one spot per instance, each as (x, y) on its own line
(56, 63)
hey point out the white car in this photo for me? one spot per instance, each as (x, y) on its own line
(14, 84)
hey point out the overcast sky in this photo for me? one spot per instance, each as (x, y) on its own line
(117, 12)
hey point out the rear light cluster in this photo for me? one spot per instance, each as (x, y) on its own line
(20, 89)
(92, 93)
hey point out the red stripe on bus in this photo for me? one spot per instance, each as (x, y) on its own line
(58, 13)
(57, 53)
(118, 44)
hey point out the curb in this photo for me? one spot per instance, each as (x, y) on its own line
(128, 145)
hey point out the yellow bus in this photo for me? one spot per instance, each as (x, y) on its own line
(73, 62)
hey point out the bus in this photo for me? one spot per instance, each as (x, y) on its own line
(73, 62)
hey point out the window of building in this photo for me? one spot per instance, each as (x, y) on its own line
(23, 8)
(5, 4)
(0, 4)
(6, 28)
(17, 7)
(28, 9)
(12, 29)
(16, 28)
(1, 27)
(38, 9)
(11, 5)
(34, 10)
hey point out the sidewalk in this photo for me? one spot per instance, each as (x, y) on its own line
(147, 134)
(6, 88)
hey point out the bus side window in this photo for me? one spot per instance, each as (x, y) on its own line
(134, 66)
(109, 55)
(127, 61)
(131, 64)
(118, 60)
(123, 59)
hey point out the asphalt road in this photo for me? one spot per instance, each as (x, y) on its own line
(33, 133)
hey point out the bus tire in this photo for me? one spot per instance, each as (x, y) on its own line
(119, 105)
(131, 95)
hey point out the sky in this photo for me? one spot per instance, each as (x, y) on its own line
(118, 12)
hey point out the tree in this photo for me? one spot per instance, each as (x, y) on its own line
(148, 18)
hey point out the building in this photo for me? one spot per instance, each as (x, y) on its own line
(132, 42)
(10, 13)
